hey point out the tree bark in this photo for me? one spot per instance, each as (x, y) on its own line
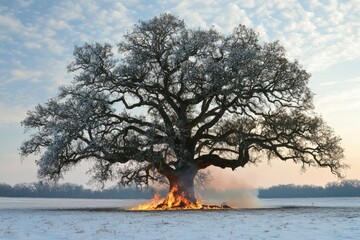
(181, 190)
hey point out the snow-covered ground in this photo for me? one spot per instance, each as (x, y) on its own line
(26, 218)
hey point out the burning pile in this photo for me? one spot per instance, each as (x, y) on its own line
(175, 202)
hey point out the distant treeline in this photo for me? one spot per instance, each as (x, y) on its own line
(69, 190)
(345, 188)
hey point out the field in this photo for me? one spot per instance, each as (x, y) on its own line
(330, 218)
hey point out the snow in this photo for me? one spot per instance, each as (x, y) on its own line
(26, 218)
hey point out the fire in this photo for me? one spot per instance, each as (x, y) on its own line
(174, 202)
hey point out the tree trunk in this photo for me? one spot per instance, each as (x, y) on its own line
(181, 191)
(183, 186)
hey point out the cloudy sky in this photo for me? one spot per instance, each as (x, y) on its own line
(37, 38)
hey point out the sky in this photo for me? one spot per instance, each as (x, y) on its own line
(37, 38)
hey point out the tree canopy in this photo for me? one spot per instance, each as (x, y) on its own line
(174, 100)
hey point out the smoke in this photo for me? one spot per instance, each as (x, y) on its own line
(236, 198)
(227, 187)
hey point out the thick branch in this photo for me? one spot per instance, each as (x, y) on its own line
(205, 161)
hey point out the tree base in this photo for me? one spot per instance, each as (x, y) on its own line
(163, 206)
(182, 199)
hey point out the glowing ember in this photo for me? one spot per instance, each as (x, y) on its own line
(174, 202)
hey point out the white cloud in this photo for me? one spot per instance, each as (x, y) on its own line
(325, 35)
(69, 10)
(291, 26)
(11, 114)
(353, 80)
(19, 74)
(237, 15)
(57, 73)
(343, 101)
(350, 80)
(8, 22)
(262, 32)
(308, 35)
(192, 18)
(22, 75)
(248, 3)
(287, 15)
(313, 4)
(32, 45)
(282, 4)
(58, 24)
(340, 96)
(25, 3)
(31, 36)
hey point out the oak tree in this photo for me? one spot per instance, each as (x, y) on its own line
(175, 100)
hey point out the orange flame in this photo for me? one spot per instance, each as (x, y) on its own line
(174, 202)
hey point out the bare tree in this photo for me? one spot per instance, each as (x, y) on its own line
(178, 100)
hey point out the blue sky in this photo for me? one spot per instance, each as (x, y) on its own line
(37, 38)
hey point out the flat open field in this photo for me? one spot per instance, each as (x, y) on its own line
(26, 218)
